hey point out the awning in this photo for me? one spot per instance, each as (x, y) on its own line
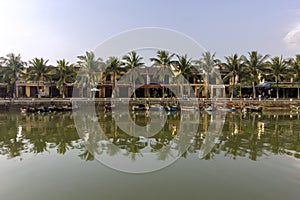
(152, 86)
(265, 85)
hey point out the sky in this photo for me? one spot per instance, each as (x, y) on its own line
(57, 29)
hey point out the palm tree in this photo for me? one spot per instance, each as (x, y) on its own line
(208, 64)
(37, 71)
(164, 61)
(255, 64)
(131, 62)
(91, 70)
(184, 67)
(279, 70)
(113, 65)
(65, 73)
(12, 69)
(233, 65)
(294, 63)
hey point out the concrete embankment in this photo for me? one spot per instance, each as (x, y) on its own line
(269, 104)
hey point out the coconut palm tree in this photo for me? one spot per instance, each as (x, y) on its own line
(255, 64)
(131, 62)
(38, 68)
(279, 70)
(184, 68)
(91, 72)
(184, 65)
(163, 60)
(294, 63)
(208, 64)
(233, 65)
(65, 73)
(113, 65)
(12, 69)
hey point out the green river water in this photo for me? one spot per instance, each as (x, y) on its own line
(256, 156)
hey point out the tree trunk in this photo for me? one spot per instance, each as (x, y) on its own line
(62, 91)
(232, 89)
(240, 90)
(133, 82)
(115, 93)
(253, 89)
(14, 92)
(101, 89)
(206, 87)
(207, 91)
(163, 89)
(277, 90)
(38, 89)
(181, 90)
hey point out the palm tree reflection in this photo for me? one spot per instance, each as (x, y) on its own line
(244, 136)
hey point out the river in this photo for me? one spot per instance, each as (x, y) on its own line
(253, 156)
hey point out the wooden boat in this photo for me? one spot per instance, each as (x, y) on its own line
(210, 109)
(43, 109)
(209, 112)
(31, 109)
(253, 109)
(173, 112)
(139, 107)
(157, 107)
(23, 110)
(189, 108)
(52, 108)
(108, 107)
(227, 109)
(172, 108)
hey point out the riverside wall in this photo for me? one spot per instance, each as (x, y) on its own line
(268, 104)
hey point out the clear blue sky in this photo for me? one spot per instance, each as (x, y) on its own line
(56, 29)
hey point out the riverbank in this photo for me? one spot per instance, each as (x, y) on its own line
(269, 104)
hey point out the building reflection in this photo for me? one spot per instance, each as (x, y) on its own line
(250, 136)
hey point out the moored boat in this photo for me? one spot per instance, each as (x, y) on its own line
(189, 108)
(157, 107)
(253, 109)
(210, 109)
(227, 109)
(139, 107)
(172, 108)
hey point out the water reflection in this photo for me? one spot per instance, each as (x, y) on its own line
(250, 136)
(37, 133)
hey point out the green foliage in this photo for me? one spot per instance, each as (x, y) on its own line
(38, 68)
(279, 70)
(132, 62)
(65, 73)
(11, 69)
(163, 60)
(255, 65)
(209, 65)
(91, 71)
(234, 65)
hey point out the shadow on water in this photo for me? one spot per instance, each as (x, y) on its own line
(250, 136)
